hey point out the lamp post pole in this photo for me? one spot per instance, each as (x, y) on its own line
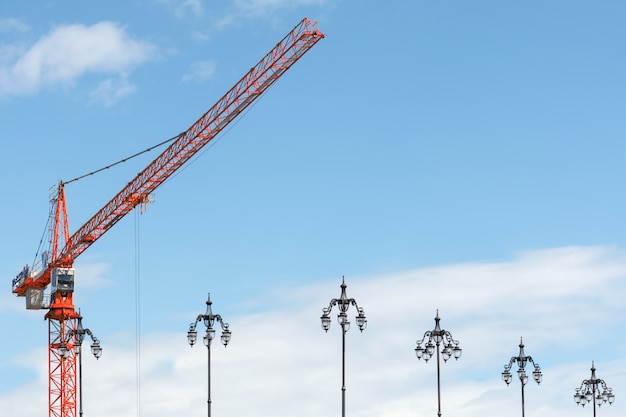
(209, 320)
(594, 390)
(76, 338)
(343, 303)
(521, 361)
(450, 349)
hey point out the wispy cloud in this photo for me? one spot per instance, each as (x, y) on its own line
(193, 6)
(112, 90)
(70, 52)
(262, 9)
(93, 274)
(9, 25)
(239, 8)
(200, 71)
(183, 8)
(284, 364)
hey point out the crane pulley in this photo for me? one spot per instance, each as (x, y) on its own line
(54, 269)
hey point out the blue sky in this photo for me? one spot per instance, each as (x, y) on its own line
(460, 156)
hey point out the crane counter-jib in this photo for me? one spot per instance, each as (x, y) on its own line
(252, 85)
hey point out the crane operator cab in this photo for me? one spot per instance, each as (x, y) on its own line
(62, 279)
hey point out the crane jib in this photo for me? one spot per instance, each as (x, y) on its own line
(252, 85)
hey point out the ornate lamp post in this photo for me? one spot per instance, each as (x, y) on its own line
(450, 349)
(78, 336)
(594, 390)
(343, 303)
(192, 336)
(521, 361)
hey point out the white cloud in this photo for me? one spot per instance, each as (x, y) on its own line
(72, 51)
(565, 302)
(200, 71)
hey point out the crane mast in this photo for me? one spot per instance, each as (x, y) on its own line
(56, 266)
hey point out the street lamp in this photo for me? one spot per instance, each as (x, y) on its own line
(594, 390)
(79, 335)
(450, 349)
(521, 361)
(192, 336)
(343, 303)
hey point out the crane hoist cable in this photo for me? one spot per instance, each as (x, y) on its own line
(137, 314)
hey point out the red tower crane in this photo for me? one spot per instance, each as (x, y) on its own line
(55, 267)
